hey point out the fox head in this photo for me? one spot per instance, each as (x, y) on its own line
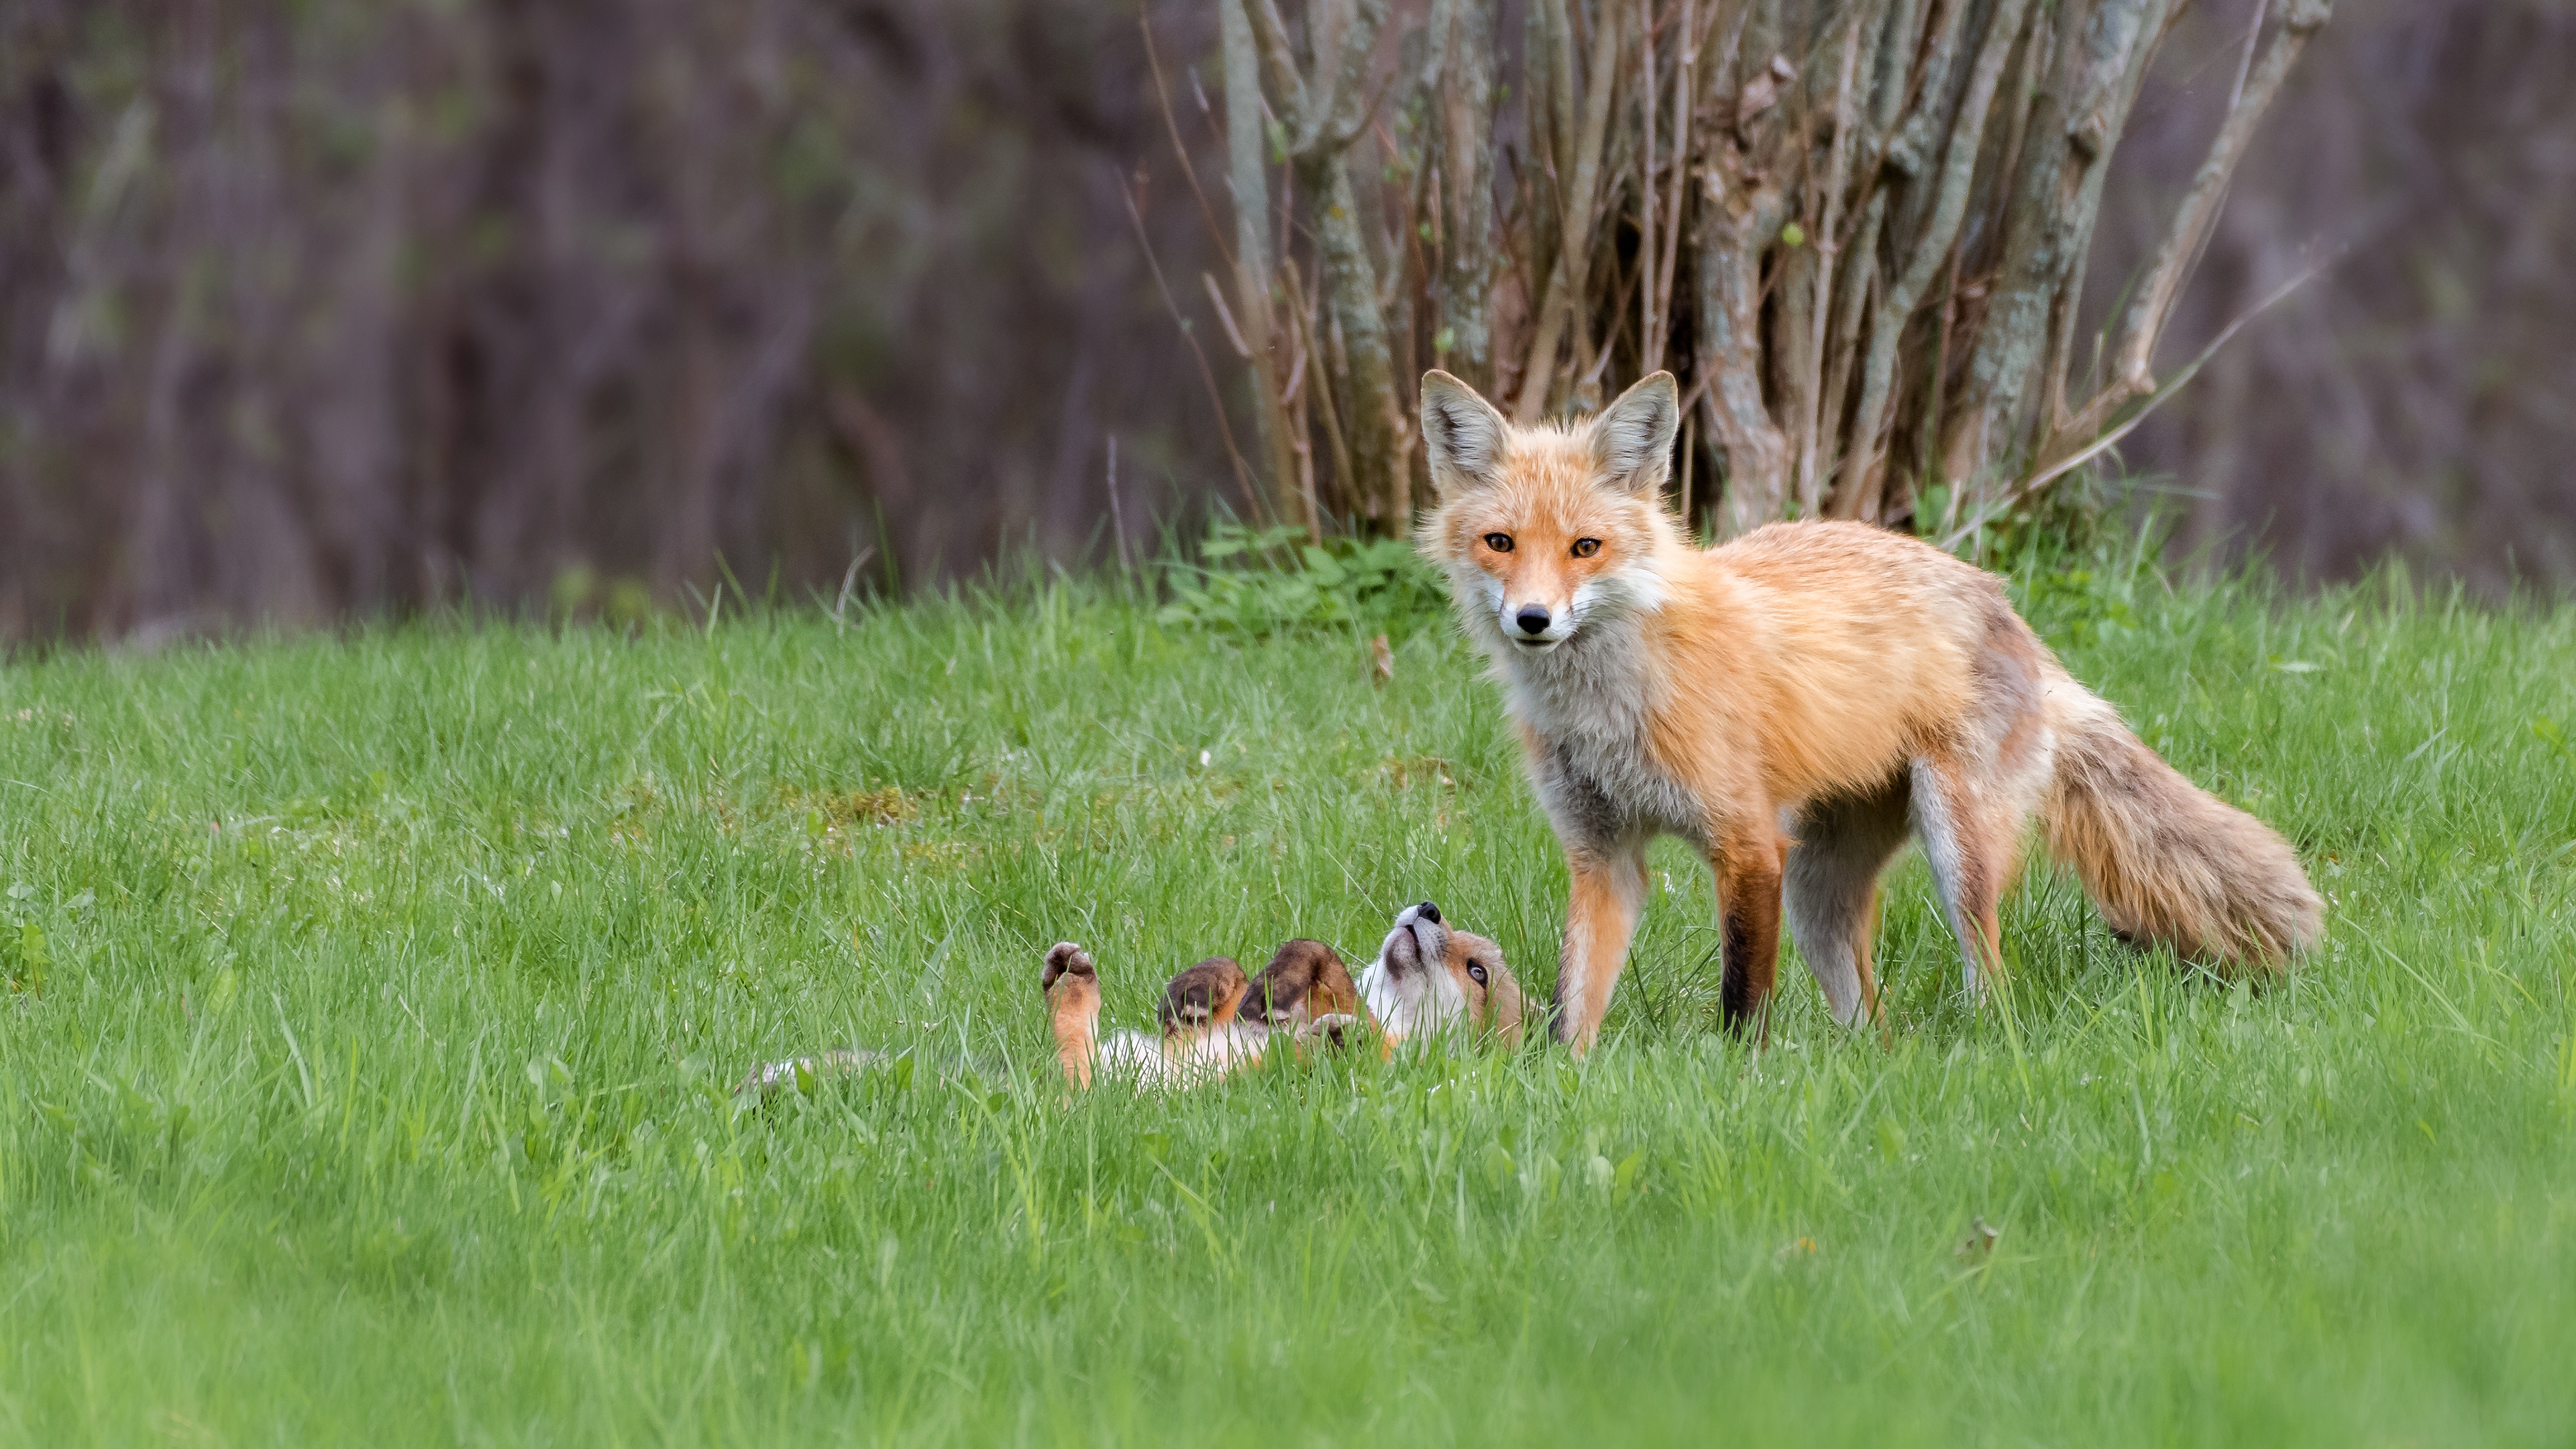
(1305, 983)
(1430, 976)
(1543, 530)
(1203, 998)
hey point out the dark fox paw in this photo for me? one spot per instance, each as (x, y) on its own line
(1065, 958)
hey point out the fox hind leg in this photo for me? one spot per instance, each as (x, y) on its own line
(1748, 867)
(1974, 791)
(1972, 843)
(1830, 890)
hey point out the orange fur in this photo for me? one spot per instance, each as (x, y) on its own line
(1793, 703)
(1071, 984)
(1494, 1001)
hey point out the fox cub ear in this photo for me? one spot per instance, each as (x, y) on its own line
(1462, 435)
(1633, 437)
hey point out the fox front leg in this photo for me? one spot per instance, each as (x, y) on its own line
(1748, 920)
(1608, 889)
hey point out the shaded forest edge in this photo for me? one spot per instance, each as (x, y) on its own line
(313, 311)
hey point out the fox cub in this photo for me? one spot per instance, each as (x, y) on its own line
(1794, 704)
(1428, 978)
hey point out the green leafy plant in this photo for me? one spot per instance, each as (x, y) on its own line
(24, 954)
(2080, 605)
(1264, 581)
(2076, 565)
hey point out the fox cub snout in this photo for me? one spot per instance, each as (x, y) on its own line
(1430, 977)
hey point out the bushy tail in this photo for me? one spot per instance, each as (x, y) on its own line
(2165, 860)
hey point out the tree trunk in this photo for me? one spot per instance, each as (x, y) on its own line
(1464, 343)
(1253, 273)
(1858, 229)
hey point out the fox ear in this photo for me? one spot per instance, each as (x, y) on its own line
(1633, 437)
(1462, 435)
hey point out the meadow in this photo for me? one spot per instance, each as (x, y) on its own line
(373, 1002)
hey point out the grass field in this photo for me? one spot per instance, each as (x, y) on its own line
(373, 1002)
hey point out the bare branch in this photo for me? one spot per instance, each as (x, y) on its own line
(1172, 129)
(2101, 58)
(1649, 341)
(1225, 317)
(1565, 284)
(1684, 69)
(1278, 59)
(2148, 315)
(1807, 477)
(1465, 107)
(1207, 375)
(1249, 179)
(1313, 346)
(2047, 471)
(1856, 496)
(1340, 103)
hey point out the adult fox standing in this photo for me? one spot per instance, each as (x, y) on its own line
(1793, 703)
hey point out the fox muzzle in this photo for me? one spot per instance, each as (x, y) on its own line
(1535, 625)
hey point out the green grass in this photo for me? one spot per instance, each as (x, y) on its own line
(374, 1000)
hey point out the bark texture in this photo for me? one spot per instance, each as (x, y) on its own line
(1855, 227)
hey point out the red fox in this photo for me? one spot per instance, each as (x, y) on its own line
(1428, 978)
(1793, 704)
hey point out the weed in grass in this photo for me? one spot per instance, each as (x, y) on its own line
(1267, 581)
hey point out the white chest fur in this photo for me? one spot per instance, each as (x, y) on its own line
(1588, 702)
(1414, 1004)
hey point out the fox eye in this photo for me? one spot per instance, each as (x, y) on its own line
(1586, 547)
(1499, 542)
(1477, 972)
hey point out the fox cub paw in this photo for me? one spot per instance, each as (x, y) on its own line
(1063, 959)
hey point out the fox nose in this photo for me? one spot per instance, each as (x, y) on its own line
(1532, 619)
(1430, 912)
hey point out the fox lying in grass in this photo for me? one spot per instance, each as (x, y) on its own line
(1428, 978)
(1794, 703)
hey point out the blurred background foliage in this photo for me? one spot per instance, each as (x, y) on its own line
(364, 306)
(2417, 398)
(356, 306)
